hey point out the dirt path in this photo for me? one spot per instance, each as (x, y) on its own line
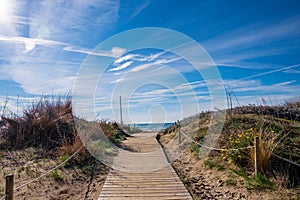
(143, 173)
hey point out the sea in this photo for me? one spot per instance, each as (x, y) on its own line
(151, 126)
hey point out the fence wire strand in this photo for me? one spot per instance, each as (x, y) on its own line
(35, 179)
(212, 148)
(237, 149)
(3, 197)
(289, 161)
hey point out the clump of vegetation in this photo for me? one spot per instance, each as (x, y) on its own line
(49, 128)
(47, 123)
(195, 149)
(50, 124)
(278, 134)
(214, 162)
(56, 175)
(241, 147)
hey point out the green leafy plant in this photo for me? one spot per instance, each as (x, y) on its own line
(237, 142)
(56, 175)
(262, 182)
(210, 163)
(195, 149)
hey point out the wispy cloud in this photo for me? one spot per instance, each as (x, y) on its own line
(8, 11)
(142, 62)
(30, 43)
(125, 58)
(153, 64)
(115, 52)
(141, 67)
(254, 35)
(138, 57)
(139, 9)
(37, 38)
(73, 21)
(292, 71)
(252, 41)
(256, 87)
(122, 66)
(269, 72)
(15, 104)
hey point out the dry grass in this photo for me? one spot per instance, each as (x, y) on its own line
(48, 123)
(269, 142)
(48, 128)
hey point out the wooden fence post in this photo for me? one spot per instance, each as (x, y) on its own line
(9, 187)
(179, 133)
(256, 156)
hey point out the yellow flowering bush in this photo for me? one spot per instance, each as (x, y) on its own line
(236, 143)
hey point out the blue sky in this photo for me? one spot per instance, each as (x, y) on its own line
(254, 44)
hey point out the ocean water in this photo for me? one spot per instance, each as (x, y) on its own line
(151, 126)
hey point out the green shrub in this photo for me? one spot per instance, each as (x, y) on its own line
(56, 175)
(262, 182)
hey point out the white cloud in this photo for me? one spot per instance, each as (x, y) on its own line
(138, 57)
(118, 51)
(236, 47)
(30, 43)
(270, 72)
(8, 9)
(139, 9)
(141, 67)
(125, 58)
(155, 63)
(166, 61)
(292, 71)
(254, 35)
(282, 87)
(115, 52)
(256, 87)
(15, 104)
(35, 35)
(42, 81)
(121, 67)
(73, 21)
(118, 80)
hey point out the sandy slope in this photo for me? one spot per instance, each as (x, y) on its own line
(66, 183)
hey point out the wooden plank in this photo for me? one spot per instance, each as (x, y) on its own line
(143, 176)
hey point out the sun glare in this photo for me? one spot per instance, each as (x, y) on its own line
(5, 9)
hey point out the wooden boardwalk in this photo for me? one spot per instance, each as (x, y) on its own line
(145, 174)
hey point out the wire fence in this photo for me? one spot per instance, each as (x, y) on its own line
(3, 197)
(51, 170)
(213, 148)
(185, 135)
(44, 174)
(289, 161)
(237, 149)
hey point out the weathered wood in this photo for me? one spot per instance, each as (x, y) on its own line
(9, 187)
(256, 155)
(145, 176)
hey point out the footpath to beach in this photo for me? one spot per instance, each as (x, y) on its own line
(143, 173)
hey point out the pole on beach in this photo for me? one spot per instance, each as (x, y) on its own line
(179, 132)
(9, 187)
(121, 117)
(256, 156)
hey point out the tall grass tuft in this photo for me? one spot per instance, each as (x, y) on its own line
(269, 142)
(47, 123)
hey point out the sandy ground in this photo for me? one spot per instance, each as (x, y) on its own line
(204, 182)
(77, 183)
(65, 183)
(139, 144)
